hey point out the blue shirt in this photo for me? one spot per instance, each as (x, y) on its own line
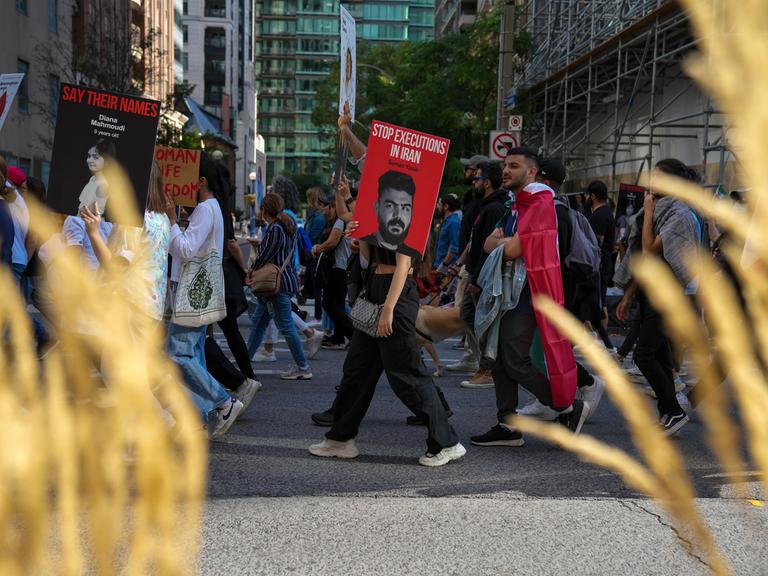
(448, 240)
(75, 235)
(315, 226)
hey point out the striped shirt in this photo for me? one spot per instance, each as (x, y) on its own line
(274, 250)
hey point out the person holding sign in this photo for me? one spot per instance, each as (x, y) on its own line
(96, 190)
(394, 351)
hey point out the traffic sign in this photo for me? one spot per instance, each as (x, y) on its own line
(501, 142)
(515, 123)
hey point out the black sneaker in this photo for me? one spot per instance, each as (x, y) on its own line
(323, 418)
(673, 422)
(419, 421)
(574, 419)
(499, 436)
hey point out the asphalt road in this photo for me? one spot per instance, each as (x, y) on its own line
(275, 509)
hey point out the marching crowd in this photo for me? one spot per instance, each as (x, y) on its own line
(510, 238)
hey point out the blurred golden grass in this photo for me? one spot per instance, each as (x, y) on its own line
(665, 478)
(94, 478)
(733, 43)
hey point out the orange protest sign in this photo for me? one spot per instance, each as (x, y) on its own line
(180, 168)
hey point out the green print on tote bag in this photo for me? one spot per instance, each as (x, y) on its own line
(199, 297)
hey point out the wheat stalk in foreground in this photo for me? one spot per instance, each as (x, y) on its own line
(665, 479)
(733, 40)
(94, 478)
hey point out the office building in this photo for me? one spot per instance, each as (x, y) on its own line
(296, 42)
(217, 59)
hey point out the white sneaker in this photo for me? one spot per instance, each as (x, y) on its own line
(591, 395)
(463, 366)
(444, 456)
(312, 345)
(247, 391)
(296, 373)
(538, 410)
(221, 419)
(262, 356)
(334, 449)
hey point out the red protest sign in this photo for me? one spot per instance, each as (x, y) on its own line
(181, 173)
(398, 190)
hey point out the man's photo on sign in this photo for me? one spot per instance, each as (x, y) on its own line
(394, 210)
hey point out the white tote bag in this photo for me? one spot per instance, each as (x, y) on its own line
(199, 297)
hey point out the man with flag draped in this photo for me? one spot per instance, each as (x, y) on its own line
(531, 235)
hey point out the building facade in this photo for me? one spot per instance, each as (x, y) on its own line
(296, 42)
(152, 21)
(217, 59)
(37, 40)
(121, 45)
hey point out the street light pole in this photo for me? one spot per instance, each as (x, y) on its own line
(386, 75)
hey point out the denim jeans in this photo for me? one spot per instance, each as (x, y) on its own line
(186, 347)
(41, 335)
(280, 305)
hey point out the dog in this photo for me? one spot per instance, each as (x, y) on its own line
(435, 324)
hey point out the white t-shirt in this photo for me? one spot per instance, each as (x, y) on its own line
(195, 240)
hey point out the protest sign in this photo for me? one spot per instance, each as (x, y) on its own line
(348, 76)
(9, 86)
(399, 186)
(180, 168)
(629, 195)
(93, 129)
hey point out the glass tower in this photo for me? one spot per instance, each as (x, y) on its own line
(296, 42)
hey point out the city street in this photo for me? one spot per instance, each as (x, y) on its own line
(275, 509)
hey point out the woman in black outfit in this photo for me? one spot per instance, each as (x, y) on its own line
(234, 276)
(395, 352)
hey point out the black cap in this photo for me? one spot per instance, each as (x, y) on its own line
(599, 189)
(475, 161)
(553, 170)
(451, 201)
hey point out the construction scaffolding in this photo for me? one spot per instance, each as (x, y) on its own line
(604, 89)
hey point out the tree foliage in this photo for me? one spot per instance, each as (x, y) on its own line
(446, 87)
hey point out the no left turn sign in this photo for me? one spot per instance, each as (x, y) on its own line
(501, 142)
